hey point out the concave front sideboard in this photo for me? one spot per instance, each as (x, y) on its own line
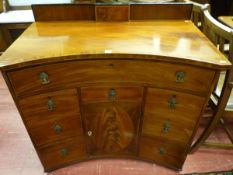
(88, 90)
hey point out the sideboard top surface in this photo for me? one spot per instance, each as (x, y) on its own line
(167, 40)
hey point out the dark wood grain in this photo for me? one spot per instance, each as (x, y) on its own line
(52, 157)
(172, 157)
(103, 71)
(158, 110)
(41, 122)
(3, 42)
(35, 108)
(44, 134)
(114, 127)
(160, 11)
(101, 94)
(112, 120)
(10, 32)
(60, 12)
(63, 12)
(112, 13)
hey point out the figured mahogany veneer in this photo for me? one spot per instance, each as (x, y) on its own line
(57, 12)
(111, 12)
(108, 13)
(112, 115)
(63, 153)
(88, 90)
(154, 11)
(164, 151)
(49, 125)
(101, 94)
(158, 103)
(105, 71)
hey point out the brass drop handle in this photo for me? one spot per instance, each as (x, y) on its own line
(89, 133)
(172, 102)
(57, 129)
(162, 151)
(64, 152)
(50, 104)
(112, 93)
(166, 126)
(180, 76)
(44, 77)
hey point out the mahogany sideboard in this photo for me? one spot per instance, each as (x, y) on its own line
(88, 90)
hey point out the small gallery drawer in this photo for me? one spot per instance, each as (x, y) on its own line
(49, 106)
(53, 131)
(171, 114)
(62, 154)
(166, 152)
(79, 73)
(105, 94)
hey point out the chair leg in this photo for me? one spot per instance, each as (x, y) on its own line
(218, 145)
(201, 140)
(218, 114)
(221, 145)
(227, 130)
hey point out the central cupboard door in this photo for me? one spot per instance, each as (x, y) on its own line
(111, 119)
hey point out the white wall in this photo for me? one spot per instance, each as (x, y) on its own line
(29, 2)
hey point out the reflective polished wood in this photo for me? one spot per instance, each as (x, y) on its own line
(162, 40)
(112, 11)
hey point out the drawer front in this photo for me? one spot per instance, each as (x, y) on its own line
(112, 93)
(40, 109)
(52, 116)
(72, 74)
(171, 114)
(56, 130)
(112, 128)
(165, 152)
(55, 156)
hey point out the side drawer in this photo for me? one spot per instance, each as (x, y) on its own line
(62, 154)
(78, 73)
(170, 114)
(49, 106)
(163, 151)
(52, 116)
(53, 131)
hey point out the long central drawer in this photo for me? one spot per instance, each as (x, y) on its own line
(71, 74)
